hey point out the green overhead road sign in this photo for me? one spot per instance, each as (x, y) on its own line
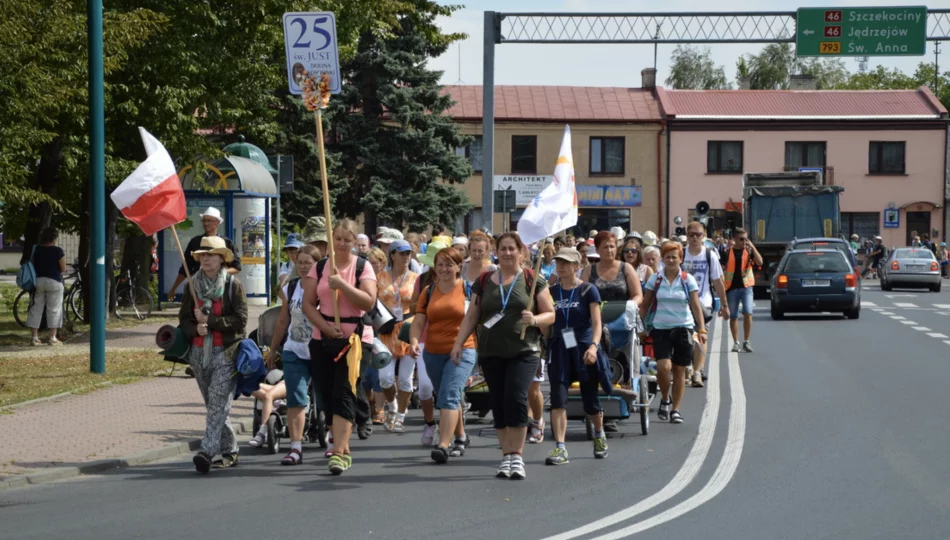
(882, 31)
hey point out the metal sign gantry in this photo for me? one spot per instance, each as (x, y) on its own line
(644, 28)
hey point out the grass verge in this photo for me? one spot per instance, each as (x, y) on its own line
(23, 379)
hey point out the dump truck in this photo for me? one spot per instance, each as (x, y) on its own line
(779, 207)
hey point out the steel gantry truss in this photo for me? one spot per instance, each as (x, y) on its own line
(644, 28)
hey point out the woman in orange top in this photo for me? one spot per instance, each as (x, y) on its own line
(442, 305)
(395, 291)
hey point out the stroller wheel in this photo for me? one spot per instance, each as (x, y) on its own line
(321, 429)
(365, 430)
(273, 436)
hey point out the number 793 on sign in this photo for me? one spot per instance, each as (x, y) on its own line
(830, 47)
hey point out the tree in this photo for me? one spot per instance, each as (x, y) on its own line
(694, 69)
(396, 145)
(894, 79)
(773, 67)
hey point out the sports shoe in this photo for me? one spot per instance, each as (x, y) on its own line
(676, 417)
(663, 412)
(537, 432)
(428, 434)
(504, 469)
(697, 380)
(338, 464)
(517, 467)
(558, 456)
(600, 447)
(735, 347)
(258, 441)
(746, 346)
(439, 454)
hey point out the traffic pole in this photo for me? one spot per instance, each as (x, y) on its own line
(97, 192)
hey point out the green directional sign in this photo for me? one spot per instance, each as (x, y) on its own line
(880, 31)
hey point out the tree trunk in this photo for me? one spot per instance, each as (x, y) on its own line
(86, 262)
(137, 259)
(40, 216)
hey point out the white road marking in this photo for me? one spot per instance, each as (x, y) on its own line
(907, 322)
(904, 304)
(869, 304)
(886, 313)
(697, 455)
(723, 473)
(942, 306)
(921, 328)
(897, 317)
(946, 341)
(937, 335)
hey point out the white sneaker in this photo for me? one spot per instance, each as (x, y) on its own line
(258, 441)
(504, 470)
(428, 434)
(517, 468)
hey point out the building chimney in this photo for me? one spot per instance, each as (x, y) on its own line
(744, 83)
(648, 77)
(802, 82)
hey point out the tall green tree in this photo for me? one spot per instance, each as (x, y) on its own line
(882, 78)
(773, 66)
(396, 146)
(693, 69)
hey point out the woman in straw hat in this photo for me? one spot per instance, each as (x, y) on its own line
(214, 326)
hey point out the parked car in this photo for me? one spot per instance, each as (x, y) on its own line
(815, 281)
(910, 267)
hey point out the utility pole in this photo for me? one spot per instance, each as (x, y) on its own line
(97, 192)
(936, 68)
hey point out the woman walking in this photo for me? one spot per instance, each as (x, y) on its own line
(480, 252)
(49, 262)
(214, 327)
(509, 362)
(633, 257)
(672, 300)
(295, 356)
(575, 354)
(442, 306)
(395, 291)
(335, 367)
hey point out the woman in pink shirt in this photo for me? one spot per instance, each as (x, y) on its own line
(331, 373)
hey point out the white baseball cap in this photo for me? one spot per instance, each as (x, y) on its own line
(213, 212)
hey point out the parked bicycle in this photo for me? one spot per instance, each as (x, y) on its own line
(133, 302)
(72, 299)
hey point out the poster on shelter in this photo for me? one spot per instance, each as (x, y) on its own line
(253, 247)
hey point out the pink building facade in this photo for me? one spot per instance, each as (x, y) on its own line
(888, 149)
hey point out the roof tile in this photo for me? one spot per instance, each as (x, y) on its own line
(540, 103)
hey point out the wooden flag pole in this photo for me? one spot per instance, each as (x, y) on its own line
(534, 284)
(184, 264)
(318, 118)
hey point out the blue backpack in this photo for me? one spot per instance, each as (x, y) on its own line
(26, 276)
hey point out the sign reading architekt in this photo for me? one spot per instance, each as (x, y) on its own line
(866, 31)
(526, 187)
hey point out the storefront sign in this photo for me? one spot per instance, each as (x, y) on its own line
(892, 218)
(609, 195)
(526, 188)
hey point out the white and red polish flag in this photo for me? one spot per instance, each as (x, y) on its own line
(152, 197)
(555, 208)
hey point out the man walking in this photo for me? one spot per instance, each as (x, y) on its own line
(740, 281)
(703, 264)
(211, 220)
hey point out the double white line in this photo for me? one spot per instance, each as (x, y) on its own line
(697, 455)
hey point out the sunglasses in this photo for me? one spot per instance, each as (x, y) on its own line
(631, 250)
(696, 235)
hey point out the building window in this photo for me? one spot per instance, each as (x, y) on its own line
(864, 224)
(606, 155)
(886, 158)
(724, 157)
(524, 154)
(601, 219)
(472, 152)
(804, 154)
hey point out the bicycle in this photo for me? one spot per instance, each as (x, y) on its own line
(133, 302)
(72, 300)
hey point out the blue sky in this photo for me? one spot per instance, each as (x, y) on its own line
(615, 65)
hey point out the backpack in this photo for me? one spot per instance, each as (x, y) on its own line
(651, 312)
(26, 275)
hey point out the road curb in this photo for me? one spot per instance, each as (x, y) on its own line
(241, 427)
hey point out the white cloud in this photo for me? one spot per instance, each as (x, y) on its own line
(609, 65)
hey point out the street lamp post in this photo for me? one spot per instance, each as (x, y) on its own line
(97, 193)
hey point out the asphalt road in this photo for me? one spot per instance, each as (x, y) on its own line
(831, 429)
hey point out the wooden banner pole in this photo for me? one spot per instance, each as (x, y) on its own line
(184, 264)
(318, 118)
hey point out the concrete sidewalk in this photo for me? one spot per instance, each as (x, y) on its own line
(113, 426)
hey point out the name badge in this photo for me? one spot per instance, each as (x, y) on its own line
(570, 342)
(493, 320)
(397, 312)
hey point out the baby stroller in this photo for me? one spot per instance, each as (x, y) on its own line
(315, 429)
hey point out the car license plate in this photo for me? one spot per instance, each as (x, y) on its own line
(917, 268)
(816, 283)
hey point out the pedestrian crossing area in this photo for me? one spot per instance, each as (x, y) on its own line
(885, 307)
(905, 313)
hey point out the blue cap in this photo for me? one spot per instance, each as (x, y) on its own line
(292, 242)
(399, 245)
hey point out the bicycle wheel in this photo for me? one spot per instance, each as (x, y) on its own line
(133, 303)
(76, 304)
(21, 307)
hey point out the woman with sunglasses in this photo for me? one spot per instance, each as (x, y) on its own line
(632, 256)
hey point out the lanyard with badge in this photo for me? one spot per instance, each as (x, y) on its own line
(567, 333)
(504, 298)
(397, 311)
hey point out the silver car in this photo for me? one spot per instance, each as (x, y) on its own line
(910, 267)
